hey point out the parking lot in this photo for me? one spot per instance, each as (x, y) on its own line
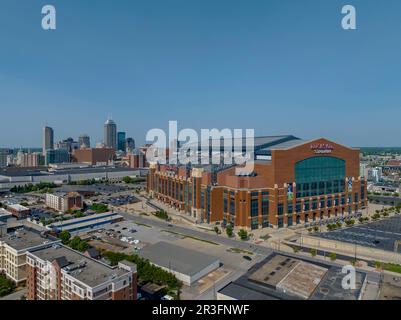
(334, 220)
(39, 212)
(380, 234)
(95, 188)
(119, 200)
(128, 236)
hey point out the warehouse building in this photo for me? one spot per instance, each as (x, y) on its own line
(87, 223)
(11, 178)
(187, 265)
(294, 182)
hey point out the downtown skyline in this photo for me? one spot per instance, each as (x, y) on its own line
(276, 67)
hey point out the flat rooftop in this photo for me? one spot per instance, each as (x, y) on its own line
(24, 239)
(71, 171)
(75, 221)
(239, 292)
(4, 213)
(302, 279)
(87, 224)
(274, 270)
(18, 207)
(177, 258)
(84, 269)
(290, 275)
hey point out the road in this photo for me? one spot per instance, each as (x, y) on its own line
(210, 236)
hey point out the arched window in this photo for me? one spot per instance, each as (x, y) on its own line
(320, 175)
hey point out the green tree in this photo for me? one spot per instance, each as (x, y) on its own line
(332, 256)
(99, 207)
(161, 214)
(313, 252)
(229, 231)
(127, 180)
(243, 234)
(65, 237)
(216, 229)
(74, 243)
(83, 246)
(7, 286)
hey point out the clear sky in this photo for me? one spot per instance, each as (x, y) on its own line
(278, 66)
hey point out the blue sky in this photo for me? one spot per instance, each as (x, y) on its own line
(280, 67)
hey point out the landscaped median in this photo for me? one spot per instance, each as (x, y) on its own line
(393, 267)
(190, 237)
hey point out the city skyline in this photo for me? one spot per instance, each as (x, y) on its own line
(277, 67)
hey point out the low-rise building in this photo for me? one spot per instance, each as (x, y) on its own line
(86, 223)
(19, 211)
(64, 201)
(187, 265)
(60, 273)
(13, 250)
(94, 156)
(4, 215)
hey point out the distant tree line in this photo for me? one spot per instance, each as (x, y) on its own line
(42, 186)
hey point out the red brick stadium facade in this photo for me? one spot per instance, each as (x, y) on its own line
(294, 182)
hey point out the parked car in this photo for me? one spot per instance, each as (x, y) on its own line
(247, 258)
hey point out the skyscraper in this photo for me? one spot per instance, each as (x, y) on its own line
(48, 140)
(110, 134)
(121, 141)
(84, 140)
(129, 145)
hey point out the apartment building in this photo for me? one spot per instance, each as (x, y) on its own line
(13, 250)
(60, 273)
(64, 201)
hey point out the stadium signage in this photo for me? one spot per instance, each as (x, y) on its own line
(322, 148)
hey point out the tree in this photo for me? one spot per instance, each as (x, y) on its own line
(99, 207)
(332, 256)
(229, 231)
(243, 234)
(127, 180)
(83, 246)
(65, 236)
(74, 243)
(216, 229)
(7, 286)
(313, 252)
(161, 214)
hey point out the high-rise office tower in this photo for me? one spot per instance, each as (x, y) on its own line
(68, 144)
(110, 134)
(129, 145)
(121, 141)
(48, 140)
(84, 140)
